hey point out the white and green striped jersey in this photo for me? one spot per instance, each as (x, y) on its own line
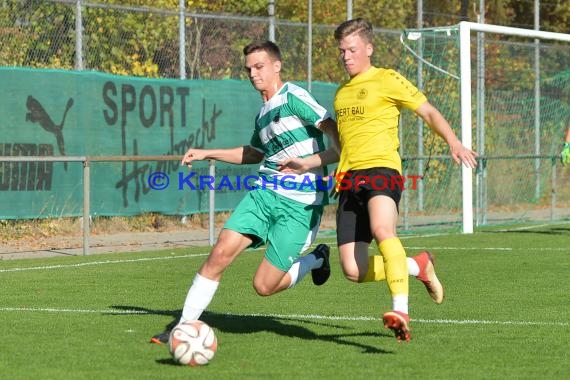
(286, 127)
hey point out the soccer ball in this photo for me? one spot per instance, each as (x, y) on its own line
(192, 343)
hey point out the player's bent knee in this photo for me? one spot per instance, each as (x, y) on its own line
(263, 290)
(382, 233)
(351, 276)
(350, 271)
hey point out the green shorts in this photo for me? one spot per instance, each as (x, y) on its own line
(286, 226)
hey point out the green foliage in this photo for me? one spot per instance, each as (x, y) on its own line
(128, 41)
(12, 39)
(245, 7)
(49, 29)
(145, 42)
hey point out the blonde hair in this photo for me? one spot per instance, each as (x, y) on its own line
(357, 25)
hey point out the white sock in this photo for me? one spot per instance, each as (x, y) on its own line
(413, 267)
(400, 303)
(302, 266)
(198, 298)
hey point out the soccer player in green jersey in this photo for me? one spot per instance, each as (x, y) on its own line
(367, 108)
(284, 210)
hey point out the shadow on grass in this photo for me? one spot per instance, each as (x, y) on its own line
(286, 326)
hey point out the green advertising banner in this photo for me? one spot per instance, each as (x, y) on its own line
(68, 113)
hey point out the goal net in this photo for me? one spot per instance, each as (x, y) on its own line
(506, 93)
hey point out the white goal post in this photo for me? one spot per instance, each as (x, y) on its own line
(465, 29)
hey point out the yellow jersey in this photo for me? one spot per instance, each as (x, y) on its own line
(367, 109)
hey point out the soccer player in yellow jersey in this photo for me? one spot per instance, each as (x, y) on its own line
(367, 108)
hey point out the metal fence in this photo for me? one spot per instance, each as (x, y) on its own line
(180, 43)
(166, 43)
(435, 216)
(86, 186)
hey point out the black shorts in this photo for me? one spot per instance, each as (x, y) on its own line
(356, 189)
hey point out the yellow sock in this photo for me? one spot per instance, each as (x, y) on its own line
(375, 269)
(396, 266)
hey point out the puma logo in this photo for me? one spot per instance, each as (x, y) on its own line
(37, 114)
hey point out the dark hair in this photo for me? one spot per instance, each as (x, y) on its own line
(267, 46)
(357, 25)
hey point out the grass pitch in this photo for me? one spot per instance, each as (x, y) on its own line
(506, 316)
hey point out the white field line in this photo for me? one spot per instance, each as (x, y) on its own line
(104, 262)
(145, 259)
(289, 316)
(524, 228)
(421, 236)
(490, 248)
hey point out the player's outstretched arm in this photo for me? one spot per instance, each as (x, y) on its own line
(439, 124)
(239, 155)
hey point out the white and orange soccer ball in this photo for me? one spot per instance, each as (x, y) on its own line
(192, 343)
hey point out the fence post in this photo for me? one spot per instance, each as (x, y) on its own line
(271, 14)
(78, 36)
(310, 47)
(182, 38)
(86, 206)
